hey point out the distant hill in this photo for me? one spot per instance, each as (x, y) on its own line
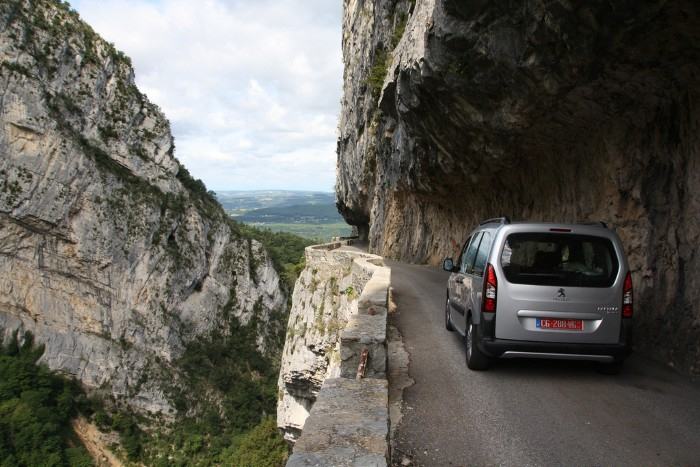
(304, 213)
(310, 214)
(237, 203)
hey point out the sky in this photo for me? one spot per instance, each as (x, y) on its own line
(251, 87)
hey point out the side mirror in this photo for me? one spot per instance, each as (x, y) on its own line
(448, 265)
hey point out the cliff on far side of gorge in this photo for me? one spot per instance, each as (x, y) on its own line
(539, 110)
(117, 261)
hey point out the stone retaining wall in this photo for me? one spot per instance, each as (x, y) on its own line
(348, 424)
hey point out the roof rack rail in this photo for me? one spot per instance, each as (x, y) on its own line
(601, 223)
(496, 220)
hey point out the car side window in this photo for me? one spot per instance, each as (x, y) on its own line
(482, 254)
(469, 255)
(462, 252)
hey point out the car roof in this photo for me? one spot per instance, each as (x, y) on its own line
(502, 230)
(494, 224)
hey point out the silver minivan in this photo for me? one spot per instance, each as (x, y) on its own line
(536, 290)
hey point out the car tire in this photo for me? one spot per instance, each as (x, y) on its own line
(448, 318)
(476, 359)
(612, 368)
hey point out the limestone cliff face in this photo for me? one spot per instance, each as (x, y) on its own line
(542, 110)
(110, 253)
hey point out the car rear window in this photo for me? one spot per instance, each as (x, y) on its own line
(559, 259)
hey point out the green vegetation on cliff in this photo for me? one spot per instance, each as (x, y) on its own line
(285, 249)
(224, 405)
(261, 447)
(377, 73)
(36, 407)
(230, 389)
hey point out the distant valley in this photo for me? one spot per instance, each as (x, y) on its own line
(309, 214)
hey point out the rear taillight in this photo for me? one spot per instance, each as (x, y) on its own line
(627, 308)
(490, 287)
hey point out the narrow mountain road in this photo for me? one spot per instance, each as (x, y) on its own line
(530, 412)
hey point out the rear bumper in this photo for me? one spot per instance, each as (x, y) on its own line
(501, 348)
(504, 348)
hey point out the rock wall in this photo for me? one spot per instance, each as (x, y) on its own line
(540, 110)
(110, 253)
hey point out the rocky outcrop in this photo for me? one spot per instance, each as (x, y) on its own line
(542, 110)
(111, 255)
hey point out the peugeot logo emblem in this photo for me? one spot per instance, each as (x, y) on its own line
(561, 293)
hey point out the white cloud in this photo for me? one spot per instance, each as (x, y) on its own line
(251, 87)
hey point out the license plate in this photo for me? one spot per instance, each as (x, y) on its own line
(566, 324)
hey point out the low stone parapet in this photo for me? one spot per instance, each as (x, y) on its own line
(348, 426)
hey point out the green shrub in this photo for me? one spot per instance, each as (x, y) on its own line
(17, 68)
(261, 447)
(130, 435)
(351, 292)
(102, 419)
(377, 74)
(194, 185)
(399, 29)
(107, 132)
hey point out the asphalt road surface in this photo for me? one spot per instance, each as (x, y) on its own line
(530, 412)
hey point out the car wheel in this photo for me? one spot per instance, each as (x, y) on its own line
(448, 319)
(476, 360)
(612, 368)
